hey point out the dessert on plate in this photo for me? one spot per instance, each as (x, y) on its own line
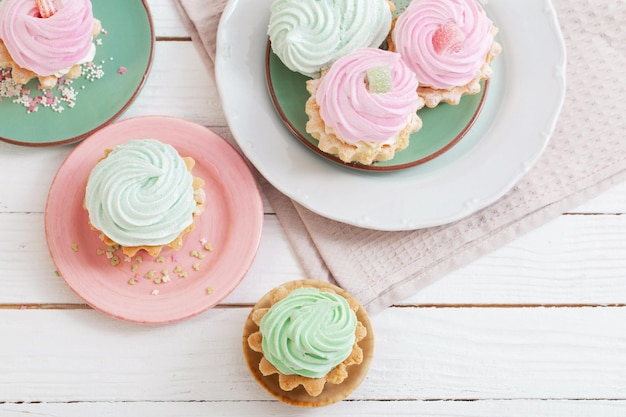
(46, 39)
(142, 195)
(449, 44)
(308, 343)
(363, 108)
(309, 35)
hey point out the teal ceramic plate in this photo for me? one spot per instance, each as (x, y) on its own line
(442, 127)
(129, 44)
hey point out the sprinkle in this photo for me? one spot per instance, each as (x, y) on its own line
(196, 266)
(121, 70)
(196, 254)
(183, 274)
(111, 58)
(174, 258)
(165, 272)
(134, 267)
(132, 281)
(166, 278)
(100, 252)
(155, 292)
(209, 290)
(99, 41)
(75, 247)
(139, 259)
(208, 247)
(115, 260)
(57, 273)
(203, 241)
(157, 280)
(160, 259)
(177, 269)
(127, 258)
(109, 255)
(150, 274)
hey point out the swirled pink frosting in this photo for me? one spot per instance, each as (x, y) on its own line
(47, 46)
(358, 114)
(444, 41)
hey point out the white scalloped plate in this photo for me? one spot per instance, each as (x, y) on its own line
(510, 134)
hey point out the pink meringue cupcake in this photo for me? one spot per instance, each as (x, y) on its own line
(46, 39)
(363, 108)
(449, 44)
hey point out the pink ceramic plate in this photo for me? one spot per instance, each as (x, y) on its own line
(179, 284)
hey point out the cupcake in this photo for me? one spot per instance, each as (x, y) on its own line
(46, 39)
(309, 35)
(308, 343)
(449, 44)
(142, 195)
(363, 109)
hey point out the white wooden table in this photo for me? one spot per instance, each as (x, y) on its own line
(536, 328)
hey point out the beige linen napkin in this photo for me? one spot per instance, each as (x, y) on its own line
(586, 155)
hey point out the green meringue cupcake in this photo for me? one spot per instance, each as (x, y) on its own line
(308, 342)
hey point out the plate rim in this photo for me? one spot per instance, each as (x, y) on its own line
(114, 116)
(254, 224)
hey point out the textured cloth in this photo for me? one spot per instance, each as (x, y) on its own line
(586, 155)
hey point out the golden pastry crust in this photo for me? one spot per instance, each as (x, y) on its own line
(364, 152)
(300, 390)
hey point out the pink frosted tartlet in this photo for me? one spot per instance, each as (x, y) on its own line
(34, 46)
(363, 109)
(449, 44)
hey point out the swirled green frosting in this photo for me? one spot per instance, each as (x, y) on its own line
(309, 35)
(308, 333)
(141, 194)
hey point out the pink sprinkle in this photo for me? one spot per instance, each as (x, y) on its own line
(25, 91)
(122, 70)
(38, 99)
(174, 258)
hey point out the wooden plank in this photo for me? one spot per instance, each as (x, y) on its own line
(166, 19)
(487, 408)
(179, 85)
(421, 354)
(572, 260)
